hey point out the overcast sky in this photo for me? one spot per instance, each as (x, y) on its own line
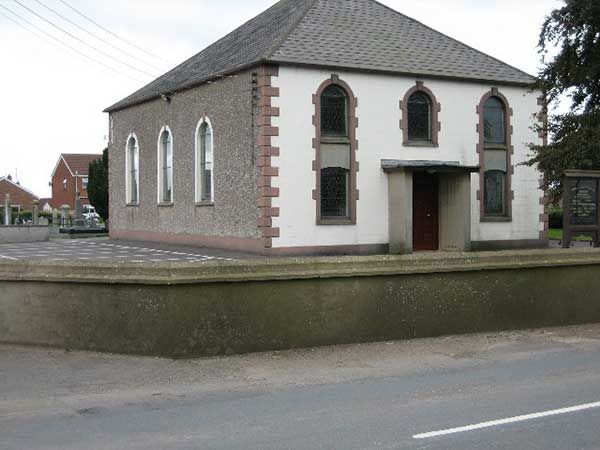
(52, 98)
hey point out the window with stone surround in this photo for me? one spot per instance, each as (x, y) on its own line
(165, 167)
(420, 114)
(335, 147)
(495, 157)
(132, 171)
(204, 163)
(335, 154)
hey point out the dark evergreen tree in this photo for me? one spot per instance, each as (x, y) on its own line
(98, 185)
(570, 48)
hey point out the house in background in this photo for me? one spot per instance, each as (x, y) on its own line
(70, 175)
(21, 199)
(330, 126)
(46, 205)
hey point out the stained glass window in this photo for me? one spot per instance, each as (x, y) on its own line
(494, 122)
(334, 192)
(495, 192)
(419, 117)
(334, 112)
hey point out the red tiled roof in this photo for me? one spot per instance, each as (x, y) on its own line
(8, 184)
(79, 163)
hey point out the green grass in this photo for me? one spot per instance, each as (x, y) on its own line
(556, 234)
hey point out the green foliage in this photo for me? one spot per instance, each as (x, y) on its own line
(574, 71)
(98, 185)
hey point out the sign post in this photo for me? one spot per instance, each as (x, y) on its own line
(581, 205)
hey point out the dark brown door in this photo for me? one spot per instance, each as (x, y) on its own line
(425, 212)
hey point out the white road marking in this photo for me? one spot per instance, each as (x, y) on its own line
(496, 423)
(8, 257)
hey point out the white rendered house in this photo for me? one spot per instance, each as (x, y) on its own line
(331, 126)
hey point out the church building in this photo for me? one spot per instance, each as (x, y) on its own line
(330, 127)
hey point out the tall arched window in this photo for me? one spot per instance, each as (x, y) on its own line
(335, 147)
(495, 158)
(132, 165)
(204, 163)
(335, 154)
(165, 166)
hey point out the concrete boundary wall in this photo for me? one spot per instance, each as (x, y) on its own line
(13, 234)
(183, 310)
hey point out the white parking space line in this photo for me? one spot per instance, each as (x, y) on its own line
(99, 251)
(496, 423)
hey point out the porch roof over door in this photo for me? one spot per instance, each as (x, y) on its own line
(393, 165)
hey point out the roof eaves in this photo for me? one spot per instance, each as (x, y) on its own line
(123, 104)
(61, 158)
(368, 69)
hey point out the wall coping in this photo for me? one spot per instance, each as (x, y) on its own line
(24, 226)
(170, 273)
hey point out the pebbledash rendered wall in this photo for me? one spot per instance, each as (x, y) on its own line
(232, 221)
(263, 162)
(380, 137)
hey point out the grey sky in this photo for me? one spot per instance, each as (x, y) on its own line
(53, 98)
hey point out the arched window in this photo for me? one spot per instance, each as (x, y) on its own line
(420, 114)
(494, 121)
(419, 117)
(334, 112)
(204, 163)
(132, 164)
(495, 157)
(335, 154)
(165, 166)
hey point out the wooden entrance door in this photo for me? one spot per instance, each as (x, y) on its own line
(425, 212)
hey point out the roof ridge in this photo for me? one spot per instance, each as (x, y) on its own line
(291, 29)
(450, 37)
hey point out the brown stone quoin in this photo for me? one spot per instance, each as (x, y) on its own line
(510, 151)
(266, 151)
(354, 166)
(436, 108)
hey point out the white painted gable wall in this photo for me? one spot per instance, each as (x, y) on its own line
(380, 137)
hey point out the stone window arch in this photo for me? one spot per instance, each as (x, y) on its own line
(335, 147)
(165, 167)
(204, 165)
(495, 155)
(132, 170)
(420, 117)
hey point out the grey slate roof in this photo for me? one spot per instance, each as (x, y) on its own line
(345, 34)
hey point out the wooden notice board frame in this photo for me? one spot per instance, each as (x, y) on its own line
(581, 205)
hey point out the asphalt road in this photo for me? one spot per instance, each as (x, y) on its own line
(362, 397)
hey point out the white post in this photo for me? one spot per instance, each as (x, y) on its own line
(7, 210)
